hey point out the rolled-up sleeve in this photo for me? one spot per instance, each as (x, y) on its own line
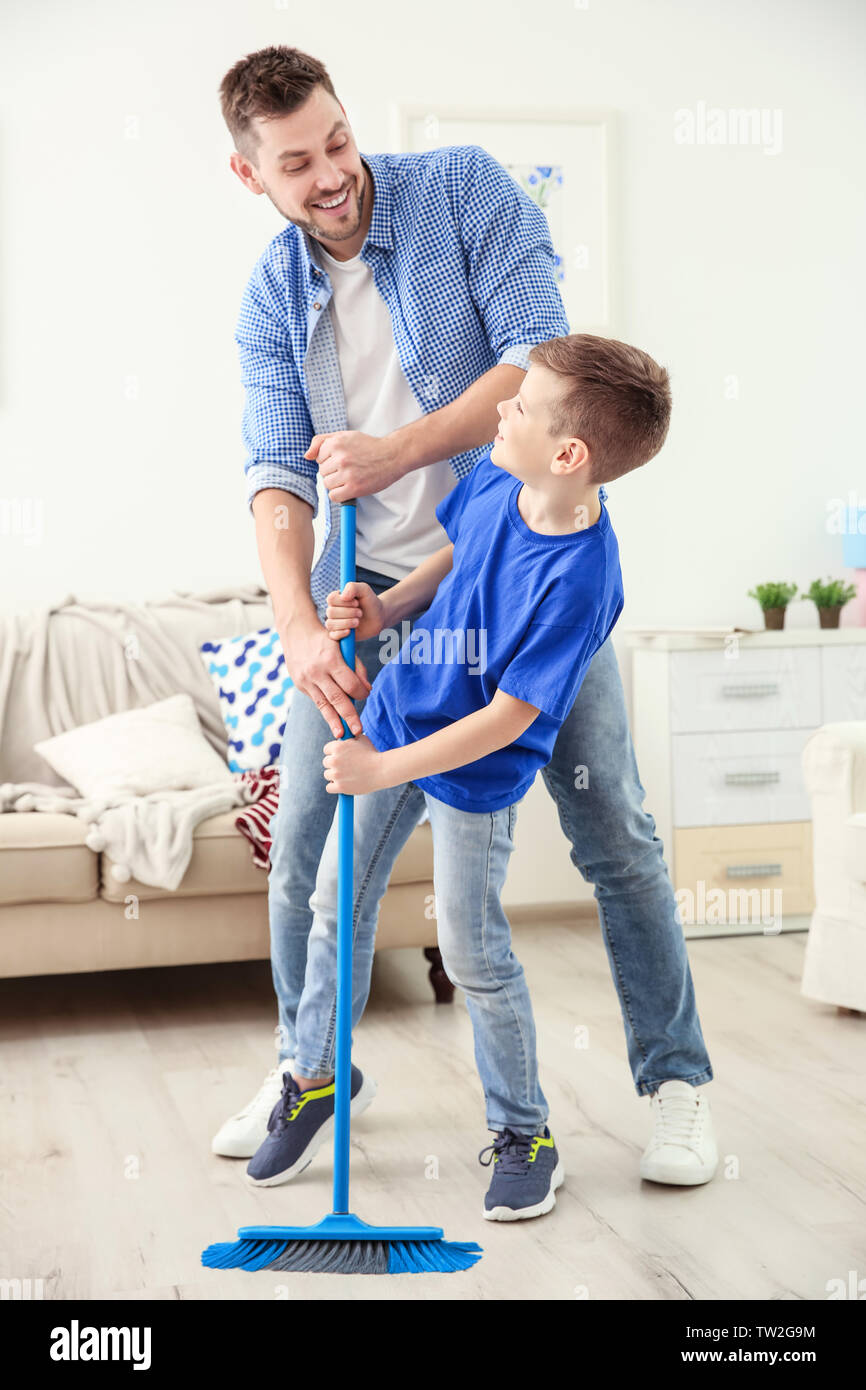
(517, 356)
(276, 426)
(510, 259)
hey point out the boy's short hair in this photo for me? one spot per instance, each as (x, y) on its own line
(273, 81)
(613, 396)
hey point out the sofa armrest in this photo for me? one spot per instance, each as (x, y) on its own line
(834, 764)
(855, 847)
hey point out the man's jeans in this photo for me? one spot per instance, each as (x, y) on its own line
(613, 844)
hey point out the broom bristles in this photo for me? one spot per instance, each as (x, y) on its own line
(344, 1256)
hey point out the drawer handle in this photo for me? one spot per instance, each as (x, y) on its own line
(741, 692)
(753, 870)
(750, 779)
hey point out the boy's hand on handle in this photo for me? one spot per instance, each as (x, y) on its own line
(357, 609)
(352, 766)
(317, 669)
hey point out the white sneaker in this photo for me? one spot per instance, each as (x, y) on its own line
(241, 1135)
(682, 1149)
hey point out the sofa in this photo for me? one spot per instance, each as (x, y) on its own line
(834, 764)
(61, 908)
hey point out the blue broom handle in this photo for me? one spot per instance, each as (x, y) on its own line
(345, 905)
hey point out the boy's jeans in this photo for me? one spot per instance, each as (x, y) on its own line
(613, 845)
(470, 859)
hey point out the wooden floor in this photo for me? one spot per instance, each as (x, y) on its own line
(112, 1085)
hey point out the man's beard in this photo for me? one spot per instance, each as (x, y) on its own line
(326, 234)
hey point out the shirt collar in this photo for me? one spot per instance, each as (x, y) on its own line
(380, 223)
(379, 233)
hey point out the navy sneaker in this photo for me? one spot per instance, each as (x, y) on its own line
(300, 1123)
(527, 1170)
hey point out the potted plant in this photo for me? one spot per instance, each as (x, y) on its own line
(830, 599)
(774, 599)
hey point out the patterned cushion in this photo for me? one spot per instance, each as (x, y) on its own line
(255, 692)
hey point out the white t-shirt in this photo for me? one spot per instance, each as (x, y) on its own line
(396, 528)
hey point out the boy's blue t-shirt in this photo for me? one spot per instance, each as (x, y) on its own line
(519, 611)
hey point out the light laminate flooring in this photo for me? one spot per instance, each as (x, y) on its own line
(111, 1086)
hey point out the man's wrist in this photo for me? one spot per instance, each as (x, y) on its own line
(299, 621)
(409, 447)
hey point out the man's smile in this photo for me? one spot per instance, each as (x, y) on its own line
(334, 207)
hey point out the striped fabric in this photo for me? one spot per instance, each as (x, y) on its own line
(464, 260)
(254, 822)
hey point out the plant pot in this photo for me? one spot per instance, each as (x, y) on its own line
(829, 617)
(774, 618)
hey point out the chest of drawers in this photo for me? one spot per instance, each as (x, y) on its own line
(719, 723)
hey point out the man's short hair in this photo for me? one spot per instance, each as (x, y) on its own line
(272, 82)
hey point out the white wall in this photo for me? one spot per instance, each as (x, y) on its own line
(126, 242)
(124, 258)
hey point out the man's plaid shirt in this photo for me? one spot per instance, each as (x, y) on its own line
(462, 257)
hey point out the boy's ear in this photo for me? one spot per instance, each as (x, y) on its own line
(573, 455)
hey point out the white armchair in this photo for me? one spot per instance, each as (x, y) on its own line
(834, 765)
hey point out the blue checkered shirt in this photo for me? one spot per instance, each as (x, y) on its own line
(462, 257)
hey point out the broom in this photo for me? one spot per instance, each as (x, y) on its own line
(342, 1243)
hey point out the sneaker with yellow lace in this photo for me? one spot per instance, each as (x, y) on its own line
(527, 1170)
(300, 1123)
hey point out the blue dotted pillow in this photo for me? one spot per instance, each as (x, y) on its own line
(255, 691)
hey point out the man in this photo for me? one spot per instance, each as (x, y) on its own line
(377, 334)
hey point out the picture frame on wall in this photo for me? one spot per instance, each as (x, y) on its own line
(564, 161)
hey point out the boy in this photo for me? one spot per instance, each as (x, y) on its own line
(525, 593)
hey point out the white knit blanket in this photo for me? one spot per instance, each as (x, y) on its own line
(148, 838)
(76, 662)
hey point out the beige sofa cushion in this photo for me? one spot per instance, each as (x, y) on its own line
(43, 858)
(222, 863)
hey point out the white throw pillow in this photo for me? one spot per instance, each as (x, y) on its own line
(138, 751)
